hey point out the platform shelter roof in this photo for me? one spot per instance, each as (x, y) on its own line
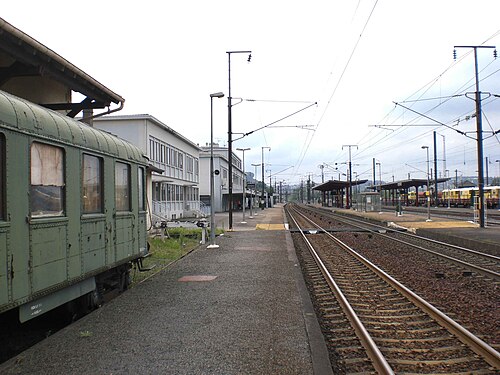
(406, 184)
(337, 185)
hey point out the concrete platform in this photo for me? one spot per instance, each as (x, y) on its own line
(242, 308)
(457, 232)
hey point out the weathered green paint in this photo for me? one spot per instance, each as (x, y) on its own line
(40, 256)
(42, 305)
(4, 267)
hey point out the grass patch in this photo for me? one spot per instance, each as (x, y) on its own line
(164, 251)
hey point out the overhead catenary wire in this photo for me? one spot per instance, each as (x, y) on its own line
(274, 122)
(427, 87)
(307, 143)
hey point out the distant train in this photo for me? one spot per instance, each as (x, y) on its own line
(460, 197)
(464, 197)
(72, 210)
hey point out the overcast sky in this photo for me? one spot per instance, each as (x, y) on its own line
(354, 58)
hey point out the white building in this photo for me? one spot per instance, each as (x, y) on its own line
(221, 189)
(174, 193)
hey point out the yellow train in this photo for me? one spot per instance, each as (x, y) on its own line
(465, 196)
(460, 197)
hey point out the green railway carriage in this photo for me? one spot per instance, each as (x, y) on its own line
(72, 209)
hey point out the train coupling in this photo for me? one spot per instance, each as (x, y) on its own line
(140, 266)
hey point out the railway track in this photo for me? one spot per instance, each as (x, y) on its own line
(374, 323)
(482, 263)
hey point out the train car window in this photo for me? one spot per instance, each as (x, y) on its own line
(140, 177)
(2, 177)
(91, 184)
(47, 180)
(122, 187)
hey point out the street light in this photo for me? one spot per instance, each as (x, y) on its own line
(428, 196)
(244, 183)
(263, 183)
(230, 136)
(212, 211)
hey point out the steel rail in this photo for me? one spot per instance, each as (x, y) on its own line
(480, 347)
(378, 360)
(483, 271)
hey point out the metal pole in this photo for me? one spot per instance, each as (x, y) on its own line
(230, 138)
(435, 172)
(487, 172)
(479, 130)
(262, 195)
(212, 184)
(244, 184)
(263, 177)
(270, 199)
(349, 197)
(428, 196)
(244, 198)
(230, 145)
(255, 190)
(373, 174)
(479, 126)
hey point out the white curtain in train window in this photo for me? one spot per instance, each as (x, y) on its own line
(122, 187)
(46, 165)
(47, 180)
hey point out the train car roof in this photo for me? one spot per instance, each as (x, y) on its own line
(29, 118)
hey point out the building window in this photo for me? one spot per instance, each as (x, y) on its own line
(47, 180)
(91, 184)
(122, 187)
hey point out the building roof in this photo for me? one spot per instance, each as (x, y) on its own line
(148, 118)
(31, 59)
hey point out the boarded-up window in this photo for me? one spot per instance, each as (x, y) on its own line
(122, 187)
(91, 184)
(47, 180)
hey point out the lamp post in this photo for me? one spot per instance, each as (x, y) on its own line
(255, 190)
(244, 183)
(212, 211)
(263, 182)
(230, 136)
(428, 196)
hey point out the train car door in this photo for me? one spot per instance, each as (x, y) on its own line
(47, 223)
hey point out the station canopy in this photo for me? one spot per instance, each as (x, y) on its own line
(337, 185)
(403, 184)
(406, 184)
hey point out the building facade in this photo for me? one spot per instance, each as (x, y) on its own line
(174, 190)
(221, 180)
